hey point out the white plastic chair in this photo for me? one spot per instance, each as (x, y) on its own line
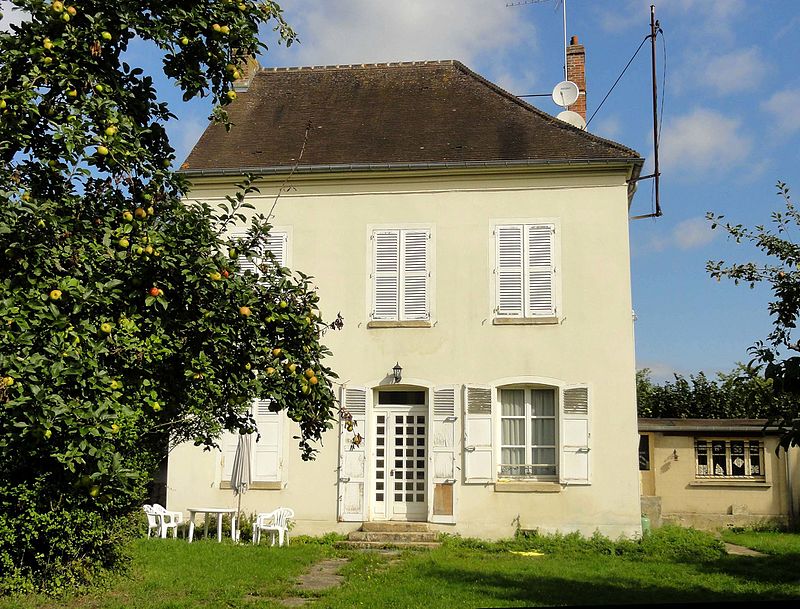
(152, 519)
(276, 522)
(168, 520)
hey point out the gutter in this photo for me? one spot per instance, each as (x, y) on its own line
(354, 167)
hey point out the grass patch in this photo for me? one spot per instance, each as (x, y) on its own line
(463, 572)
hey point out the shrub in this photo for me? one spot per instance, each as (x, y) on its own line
(681, 544)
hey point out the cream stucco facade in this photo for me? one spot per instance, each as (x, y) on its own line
(674, 493)
(589, 343)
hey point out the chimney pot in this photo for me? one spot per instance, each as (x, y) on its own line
(576, 72)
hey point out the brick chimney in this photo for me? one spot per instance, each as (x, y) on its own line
(576, 72)
(246, 72)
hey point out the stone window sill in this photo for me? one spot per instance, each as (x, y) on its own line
(399, 324)
(524, 321)
(255, 486)
(526, 486)
(731, 483)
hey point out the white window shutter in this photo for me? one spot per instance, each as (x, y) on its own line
(575, 466)
(386, 275)
(278, 245)
(479, 466)
(228, 444)
(267, 463)
(414, 265)
(540, 270)
(509, 270)
(444, 441)
(353, 456)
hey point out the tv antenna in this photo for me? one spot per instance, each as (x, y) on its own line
(655, 28)
(564, 7)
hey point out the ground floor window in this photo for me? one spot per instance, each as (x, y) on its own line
(528, 433)
(729, 458)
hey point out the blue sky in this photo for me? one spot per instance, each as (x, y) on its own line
(731, 126)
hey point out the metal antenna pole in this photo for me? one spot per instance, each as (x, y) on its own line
(655, 27)
(656, 173)
(564, 3)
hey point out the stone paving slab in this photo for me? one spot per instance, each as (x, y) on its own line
(741, 550)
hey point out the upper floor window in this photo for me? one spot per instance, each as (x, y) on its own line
(525, 270)
(400, 278)
(277, 244)
(729, 458)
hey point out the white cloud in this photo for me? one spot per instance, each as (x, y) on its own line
(689, 234)
(609, 128)
(10, 16)
(660, 371)
(782, 108)
(740, 70)
(707, 16)
(366, 31)
(703, 140)
(692, 233)
(184, 134)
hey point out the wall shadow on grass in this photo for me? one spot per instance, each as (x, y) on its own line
(546, 589)
(778, 570)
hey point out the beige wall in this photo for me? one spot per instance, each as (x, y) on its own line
(592, 343)
(711, 503)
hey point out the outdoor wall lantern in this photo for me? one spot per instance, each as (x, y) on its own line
(674, 454)
(397, 371)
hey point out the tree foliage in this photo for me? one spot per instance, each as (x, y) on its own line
(127, 322)
(740, 394)
(781, 271)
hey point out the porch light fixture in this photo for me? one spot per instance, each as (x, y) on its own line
(674, 454)
(397, 371)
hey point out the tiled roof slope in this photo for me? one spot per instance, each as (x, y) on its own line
(398, 113)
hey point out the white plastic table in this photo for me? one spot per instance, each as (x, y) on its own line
(219, 512)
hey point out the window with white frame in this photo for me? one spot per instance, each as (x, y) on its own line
(266, 457)
(529, 433)
(729, 458)
(525, 270)
(400, 274)
(277, 244)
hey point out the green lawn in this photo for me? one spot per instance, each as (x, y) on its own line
(175, 575)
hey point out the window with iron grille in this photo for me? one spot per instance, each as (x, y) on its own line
(729, 458)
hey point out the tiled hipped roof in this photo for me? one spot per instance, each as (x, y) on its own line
(417, 113)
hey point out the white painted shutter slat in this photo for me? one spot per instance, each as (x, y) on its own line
(386, 275)
(414, 274)
(353, 458)
(540, 270)
(228, 446)
(277, 244)
(444, 441)
(479, 464)
(575, 436)
(509, 270)
(267, 455)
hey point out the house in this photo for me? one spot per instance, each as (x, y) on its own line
(478, 251)
(713, 473)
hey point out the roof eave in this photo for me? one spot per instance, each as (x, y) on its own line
(634, 167)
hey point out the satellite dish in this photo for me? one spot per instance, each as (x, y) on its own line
(573, 118)
(565, 93)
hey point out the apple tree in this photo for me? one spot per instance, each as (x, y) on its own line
(780, 269)
(127, 322)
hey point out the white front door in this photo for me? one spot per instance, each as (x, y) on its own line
(400, 490)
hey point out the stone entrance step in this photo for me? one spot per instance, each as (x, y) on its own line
(374, 535)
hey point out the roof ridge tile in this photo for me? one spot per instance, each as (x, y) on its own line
(360, 66)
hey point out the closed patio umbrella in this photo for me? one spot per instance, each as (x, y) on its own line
(240, 475)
